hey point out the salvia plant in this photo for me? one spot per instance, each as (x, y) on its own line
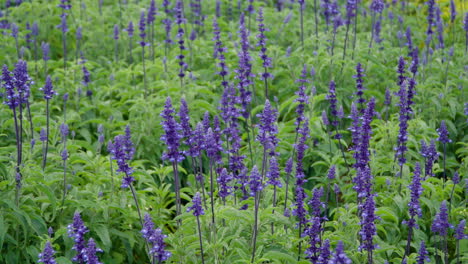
(319, 131)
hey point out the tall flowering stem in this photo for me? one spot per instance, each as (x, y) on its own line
(116, 42)
(219, 51)
(266, 61)
(180, 20)
(444, 139)
(376, 7)
(244, 76)
(150, 19)
(368, 228)
(414, 206)
(143, 44)
(440, 226)
(351, 12)
(299, 210)
(64, 28)
(64, 154)
(48, 94)
(459, 235)
(301, 12)
(331, 97)
(256, 186)
(171, 138)
(197, 211)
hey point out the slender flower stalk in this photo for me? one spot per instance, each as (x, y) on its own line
(35, 34)
(64, 154)
(48, 94)
(197, 211)
(465, 27)
(116, 43)
(130, 31)
(64, 28)
(414, 206)
(150, 20)
(266, 61)
(459, 235)
(12, 100)
(180, 21)
(331, 97)
(256, 186)
(143, 44)
(444, 139)
(172, 137)
(299, 210)
(368, 228)
(45, 55)
(14, 34)
(301, 12)
(351, 12)
(440, 226)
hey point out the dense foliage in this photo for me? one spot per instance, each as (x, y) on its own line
(142, 131)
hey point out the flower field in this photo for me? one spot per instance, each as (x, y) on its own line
(221, 131)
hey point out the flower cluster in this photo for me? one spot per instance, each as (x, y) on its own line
(441, 224)
(47, 256)
(171, 134)
(268, 129)
(196, 205)
(416, 191)
(77, 230)
(266, 61)
(155, 238)
(48, 89)
(122, 151)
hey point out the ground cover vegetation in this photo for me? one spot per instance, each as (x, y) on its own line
(321, 131)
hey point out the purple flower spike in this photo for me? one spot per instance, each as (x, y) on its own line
(130, 29)
(151, 12)
(360, 85)
(196, 205)
(45, 51)
(48, 89)
(116, 32)
(122, 151)
(416, 191)
(268, 129)
(22, 81)
(91, 250)
(460, 230)
(423, 255)
(155, 238)
(47, 256)
(223, 181)
(443, 133)
(142, 28)
(11, 96)
(76, 231)
(339, 256)
(332, 172)
(273, 173)
(368, 228)
(172, 134)
(266, 61)
(255, 182)
(441, 224)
